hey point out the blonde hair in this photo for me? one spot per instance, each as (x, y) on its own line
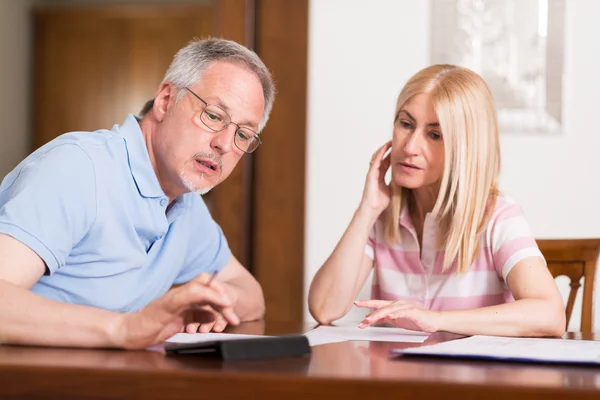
(466, 113)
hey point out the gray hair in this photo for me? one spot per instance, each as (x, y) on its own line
(189, 62)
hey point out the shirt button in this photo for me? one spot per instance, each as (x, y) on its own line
(157, 238)
(163, 202)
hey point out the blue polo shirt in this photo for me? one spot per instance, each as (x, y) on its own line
(90, 205)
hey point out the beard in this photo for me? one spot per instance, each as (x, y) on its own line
(187, 182)
(192, 187)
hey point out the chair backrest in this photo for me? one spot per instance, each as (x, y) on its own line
(576, 259)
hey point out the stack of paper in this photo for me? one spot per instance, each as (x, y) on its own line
(514, 349)
(320, 335)
(207, 337)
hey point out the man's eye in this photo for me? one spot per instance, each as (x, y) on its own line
(242, 136)
(213, 117)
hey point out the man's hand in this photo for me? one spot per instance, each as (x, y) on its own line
(208, 319)
(166, 315)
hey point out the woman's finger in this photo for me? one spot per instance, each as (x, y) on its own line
(372, 303)
(384, 312)
(383, 167)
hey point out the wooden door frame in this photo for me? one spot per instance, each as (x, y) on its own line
(260, 206)
(268, 189)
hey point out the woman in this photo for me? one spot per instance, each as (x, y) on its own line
(449, 252)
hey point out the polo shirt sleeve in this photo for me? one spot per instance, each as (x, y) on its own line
(511, 239)
(208, 249)
(49, 202)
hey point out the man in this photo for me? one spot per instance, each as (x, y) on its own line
(95, 227)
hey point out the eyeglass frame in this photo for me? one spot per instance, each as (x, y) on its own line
(206, 104)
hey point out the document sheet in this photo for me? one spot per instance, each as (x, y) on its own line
(207, 337)
(342, 333)
(514, 349)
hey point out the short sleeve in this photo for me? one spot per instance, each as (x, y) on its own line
(208, 249)
(511, 239)
(48, 202)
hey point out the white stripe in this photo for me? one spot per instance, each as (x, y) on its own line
(518, 256)
(507, 230)
(407, 240)
(369, 251)
(473, 283)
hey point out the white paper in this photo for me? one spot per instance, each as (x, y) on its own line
(207, 337)
(516, 349)
(343, 333)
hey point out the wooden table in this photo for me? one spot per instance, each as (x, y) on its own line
(339, 371)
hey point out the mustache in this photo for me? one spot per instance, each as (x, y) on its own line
(214, 157)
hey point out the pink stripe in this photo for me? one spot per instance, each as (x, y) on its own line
(468, 302)
(446, 303)
(371, 242)
(407, 262)
(507, 210)
(484, 262)
(511, 247)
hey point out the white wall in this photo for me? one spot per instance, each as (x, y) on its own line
(15, 116)
(360, 55)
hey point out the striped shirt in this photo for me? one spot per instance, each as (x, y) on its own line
(402, 272)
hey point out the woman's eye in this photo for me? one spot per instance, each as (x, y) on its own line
(435, 135)
(405, 124)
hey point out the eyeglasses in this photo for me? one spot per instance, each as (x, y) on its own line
(216, 119)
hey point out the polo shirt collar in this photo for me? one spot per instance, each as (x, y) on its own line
(139, 161)
(406, 220)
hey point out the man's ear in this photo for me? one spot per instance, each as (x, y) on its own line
(164, 100)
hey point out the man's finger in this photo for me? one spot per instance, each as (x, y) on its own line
(192, 328)
(193, 293)
(206, 327)
(207, 280)
(220, 324)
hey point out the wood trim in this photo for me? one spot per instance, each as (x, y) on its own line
(278, 240)
(587, 305)
(560, 254)
(231, 201)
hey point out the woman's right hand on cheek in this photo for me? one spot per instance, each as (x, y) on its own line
(377, 194)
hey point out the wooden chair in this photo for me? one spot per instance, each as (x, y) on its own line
(574, 258)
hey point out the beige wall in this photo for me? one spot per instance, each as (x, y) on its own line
(15, 46)
(357, 67)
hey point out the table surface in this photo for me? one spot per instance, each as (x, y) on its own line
(350, 369)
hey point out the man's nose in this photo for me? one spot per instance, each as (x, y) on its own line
(223, 140)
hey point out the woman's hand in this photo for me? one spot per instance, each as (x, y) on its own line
(401, 314)
(377, 194)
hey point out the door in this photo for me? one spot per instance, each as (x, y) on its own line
(95, 64)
